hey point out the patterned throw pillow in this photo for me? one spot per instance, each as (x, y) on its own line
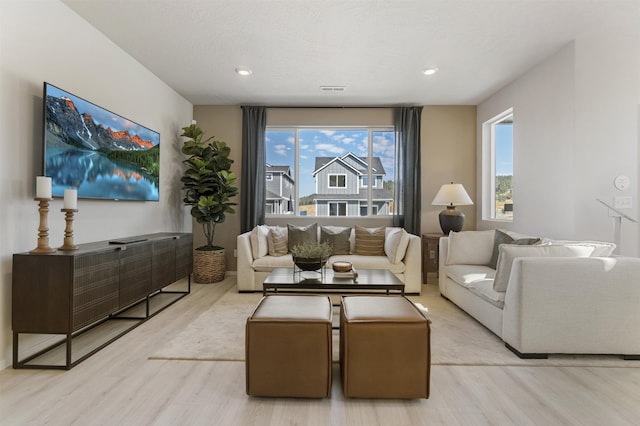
(301, 234)
(370, 241)
(278, 241)
(338, 239)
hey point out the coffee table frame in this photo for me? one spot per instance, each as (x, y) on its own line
(369, 281)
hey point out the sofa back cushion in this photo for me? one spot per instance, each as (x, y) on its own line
(337, 237)
(396, 241)
(369, 241)
(470, 247)
(509, 252)
(301, 234)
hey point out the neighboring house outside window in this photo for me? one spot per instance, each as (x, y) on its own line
(280, 188)
(352, 168)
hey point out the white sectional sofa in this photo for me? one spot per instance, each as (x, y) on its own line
(404, 260)
(555, 297)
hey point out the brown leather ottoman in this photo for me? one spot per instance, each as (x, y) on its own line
(288, 347)
(384, 348)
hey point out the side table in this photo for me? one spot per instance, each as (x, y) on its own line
(430, 242)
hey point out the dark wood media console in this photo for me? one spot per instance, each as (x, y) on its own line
(70, 292)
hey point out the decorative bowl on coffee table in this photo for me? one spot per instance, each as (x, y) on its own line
(310, 264)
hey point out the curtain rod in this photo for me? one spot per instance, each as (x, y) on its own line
(325, 107)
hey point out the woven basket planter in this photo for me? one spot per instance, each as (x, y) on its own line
(208, 266)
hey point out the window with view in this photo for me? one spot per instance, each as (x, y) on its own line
(327, 171)
(498, 165)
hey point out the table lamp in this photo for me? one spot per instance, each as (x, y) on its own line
(451, 195)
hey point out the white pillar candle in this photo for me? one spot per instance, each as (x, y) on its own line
(193, 122)
(43, 187)
(70, 199)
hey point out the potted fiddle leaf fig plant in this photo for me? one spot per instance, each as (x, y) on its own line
(209, 185)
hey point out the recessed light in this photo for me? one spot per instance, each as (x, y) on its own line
(430, 71)
(243, 71)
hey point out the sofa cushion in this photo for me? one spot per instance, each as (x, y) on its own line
(370, 241)
(465, 275)
(509, 252)
(600, 248)
(277, 241)
(368, 262)
(259, 241)
(470, 247)
(337, 237)
(504, 238)
(484, 289)
(267, 263)
(301, 234)
(396, 241)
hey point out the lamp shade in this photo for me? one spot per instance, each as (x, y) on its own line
(452, 194)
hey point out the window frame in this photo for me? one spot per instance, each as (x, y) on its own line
(371, 131)
(337, 175)
(338, 204)
(489, 211)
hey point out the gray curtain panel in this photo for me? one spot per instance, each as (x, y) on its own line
(407, 186)
(252, 193)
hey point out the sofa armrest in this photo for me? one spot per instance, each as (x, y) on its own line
(573, 305)
(413, 265)
(246, 273)
(443, 252)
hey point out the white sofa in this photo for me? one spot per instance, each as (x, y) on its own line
(557, 297)
(253, 271)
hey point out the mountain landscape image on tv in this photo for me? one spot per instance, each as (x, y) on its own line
(97, 152)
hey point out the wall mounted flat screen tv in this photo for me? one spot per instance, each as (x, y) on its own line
(101, 154)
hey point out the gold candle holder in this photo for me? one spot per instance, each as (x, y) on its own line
(68, 230)
(43, 229)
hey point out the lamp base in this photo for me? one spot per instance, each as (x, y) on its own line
(451, 220)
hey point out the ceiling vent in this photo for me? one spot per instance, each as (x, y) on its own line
(333, 88)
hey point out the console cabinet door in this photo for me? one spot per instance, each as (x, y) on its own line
(184, 256)
(41, 293)
(96, 282)
(135, 274)
(163, 263)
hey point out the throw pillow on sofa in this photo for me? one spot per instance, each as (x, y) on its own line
(301, 234)
(396, 241)
(509, 252)
(337, 237)
(370, 241)
(470, 247)
(259, 242)
(504, 238)
(600, 248)
(277, 239)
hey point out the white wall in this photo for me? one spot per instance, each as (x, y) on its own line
(43, 40)
(575, 130)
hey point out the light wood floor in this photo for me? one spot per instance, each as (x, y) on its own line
(120, 386)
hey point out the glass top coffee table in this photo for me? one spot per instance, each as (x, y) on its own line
(368, 280)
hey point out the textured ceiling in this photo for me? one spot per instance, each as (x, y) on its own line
(376, 48)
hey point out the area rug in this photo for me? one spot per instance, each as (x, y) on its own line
(218, 334)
